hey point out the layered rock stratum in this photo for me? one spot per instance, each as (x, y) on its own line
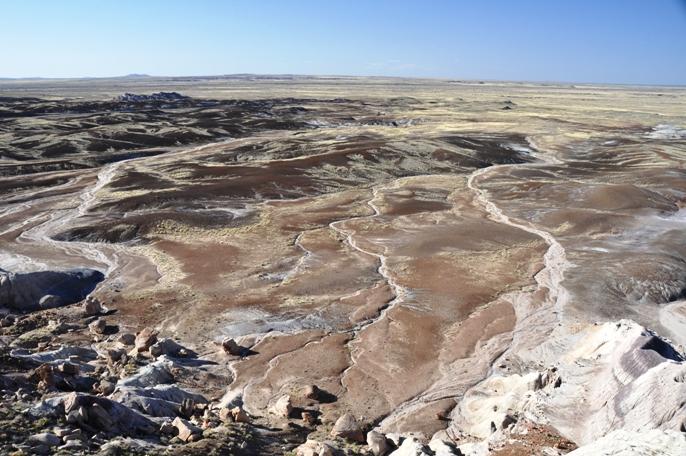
(359, 266)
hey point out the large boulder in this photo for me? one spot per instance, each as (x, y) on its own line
(158, 400)
(44, 289)
(101, 414)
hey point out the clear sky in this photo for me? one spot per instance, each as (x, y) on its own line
(620, 41)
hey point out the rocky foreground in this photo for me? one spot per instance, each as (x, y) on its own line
(425, 268)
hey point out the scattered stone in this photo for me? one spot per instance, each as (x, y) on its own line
(195, 438)
(47, 439)
(282, 407)
(105, 387)
(72, 446)
(442, 448)
(309, 418)
(99, 417)
(186, 429)
(127, 339)
(167, 347)
(78, 416)
(40, 449)
(78, 435)
(7, 320)
(348, 428)
(44, 375)
(377, 443)
(508, 421)
(61, 432)
(167, 428)
(113, 355)
(231, 347)
(93, 306)
(145, 339)
(98, 326)
(239, 415)
(236, 415)
(225, 415)
(314, 448)
(68, 368)
(412, 447)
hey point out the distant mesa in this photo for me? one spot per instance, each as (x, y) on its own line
(158, 96)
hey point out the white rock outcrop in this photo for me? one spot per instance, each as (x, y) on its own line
(607, 377)
(626, 443)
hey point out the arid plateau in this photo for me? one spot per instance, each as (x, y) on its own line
(319, 266)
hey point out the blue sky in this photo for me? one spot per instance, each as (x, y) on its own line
(619, 41)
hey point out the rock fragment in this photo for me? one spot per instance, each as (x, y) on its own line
(236, 415)
(186, 429)
(314, 448)
(348, 428)
(167, 347)
(377, 443)
(99, 418)
(7, 320)
(412, 447)
(113, 355)
(47, 439)
(167, 428)
(441, 448)
(68, 368)
(98, 326)
(92, 306)
(231, 347)
(106, 387)
(145, 339)
(282, 407)
(126, 339)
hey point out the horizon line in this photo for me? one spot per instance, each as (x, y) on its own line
(350, 76)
